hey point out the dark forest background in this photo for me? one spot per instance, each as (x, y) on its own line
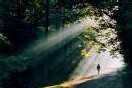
(24, 23)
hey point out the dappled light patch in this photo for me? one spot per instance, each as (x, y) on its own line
(73, 83)
(85, 53)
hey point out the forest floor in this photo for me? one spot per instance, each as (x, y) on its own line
(113, 74)
(110, 80)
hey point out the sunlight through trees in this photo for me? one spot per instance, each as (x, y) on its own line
(39, 38)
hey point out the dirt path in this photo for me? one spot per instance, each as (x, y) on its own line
(85, 75)
(111, 80)
(93, 81)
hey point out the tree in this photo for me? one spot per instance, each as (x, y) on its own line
(124, 30)
(47, 14)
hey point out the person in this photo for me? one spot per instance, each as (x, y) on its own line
(98, 68)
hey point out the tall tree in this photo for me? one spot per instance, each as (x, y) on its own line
(47, 15)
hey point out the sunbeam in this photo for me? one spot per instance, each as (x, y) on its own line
(53, 41)
(87, 67)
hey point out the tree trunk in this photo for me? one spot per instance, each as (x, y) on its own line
(47, 15)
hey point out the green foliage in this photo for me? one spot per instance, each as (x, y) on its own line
(4, 41)
(30, 15)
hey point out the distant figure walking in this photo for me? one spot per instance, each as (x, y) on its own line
(98, 68)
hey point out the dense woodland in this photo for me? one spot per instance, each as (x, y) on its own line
(23, 23)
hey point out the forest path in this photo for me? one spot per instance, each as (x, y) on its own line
(111, 80)
(85, 75)
(109, 77)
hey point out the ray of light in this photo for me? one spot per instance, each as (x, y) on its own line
(53, 41)
(87, 67)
